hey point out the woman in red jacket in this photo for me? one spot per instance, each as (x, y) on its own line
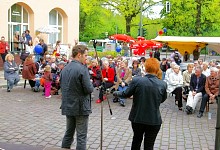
(108, 75)
(3, 48)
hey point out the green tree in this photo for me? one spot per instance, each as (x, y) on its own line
(96, 20)
(192, 18)
(129, 9)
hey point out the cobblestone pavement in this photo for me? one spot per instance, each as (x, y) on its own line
(28, 118)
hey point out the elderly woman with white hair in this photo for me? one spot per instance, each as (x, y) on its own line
(211, 88)
(10, 72)
(175, 83)
(169, 71)
(108, 75)
(205, 69)
(197, 89)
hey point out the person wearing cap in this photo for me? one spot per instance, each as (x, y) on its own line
(211, 88)
(136, 71)
(148, 93)
(176, 57)
(4, 47)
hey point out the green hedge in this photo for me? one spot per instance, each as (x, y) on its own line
(106, 53)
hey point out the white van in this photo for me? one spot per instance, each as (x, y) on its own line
(102, 45)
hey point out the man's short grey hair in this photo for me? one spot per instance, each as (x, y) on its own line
(176, 66)
(205, 63)
(105, 61)
(199, 68)
(214, 69)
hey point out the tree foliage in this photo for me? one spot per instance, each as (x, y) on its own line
(187, 18)
(96, 21)
(192, 18)
(129, 9)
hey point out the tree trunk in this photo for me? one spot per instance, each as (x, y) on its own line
(198, 18)
(128, 24)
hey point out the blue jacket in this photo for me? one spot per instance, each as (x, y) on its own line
(76, 88)
(10, 70)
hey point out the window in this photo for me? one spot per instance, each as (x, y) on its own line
(18, 21)
(56, 21)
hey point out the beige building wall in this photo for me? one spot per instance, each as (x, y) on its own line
(39, 16)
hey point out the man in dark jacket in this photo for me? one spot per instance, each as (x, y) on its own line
(197, 89)
(76, 88)
(148, 93)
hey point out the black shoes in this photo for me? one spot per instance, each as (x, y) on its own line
(200, 115)
(112, 90)
(115, 100)
(122, 104)
(189, 110)
(8, 89)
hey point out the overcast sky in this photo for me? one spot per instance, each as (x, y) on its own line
(156, 10)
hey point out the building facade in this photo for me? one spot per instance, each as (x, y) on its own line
(21, 15)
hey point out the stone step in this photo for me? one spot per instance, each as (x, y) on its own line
(55, 148)
(10, 146)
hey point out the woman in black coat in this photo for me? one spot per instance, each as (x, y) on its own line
(148, 93)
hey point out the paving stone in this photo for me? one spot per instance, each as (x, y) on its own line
(40, 123)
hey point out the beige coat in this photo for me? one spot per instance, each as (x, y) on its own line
(127, 77)
(186, 78)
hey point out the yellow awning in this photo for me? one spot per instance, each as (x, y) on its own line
(189, 43)
(185, 46)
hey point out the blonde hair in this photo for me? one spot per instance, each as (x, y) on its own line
(94, 61)
(9, 55)
(47, 68)
(190, 65)
(125, 62)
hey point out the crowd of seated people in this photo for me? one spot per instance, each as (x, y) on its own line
(199, 82)
(44, 72)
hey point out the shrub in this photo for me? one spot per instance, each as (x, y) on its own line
(106, 53)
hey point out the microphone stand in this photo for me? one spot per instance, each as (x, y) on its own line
(102, 90)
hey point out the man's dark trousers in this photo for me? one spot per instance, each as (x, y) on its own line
(80, 124)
